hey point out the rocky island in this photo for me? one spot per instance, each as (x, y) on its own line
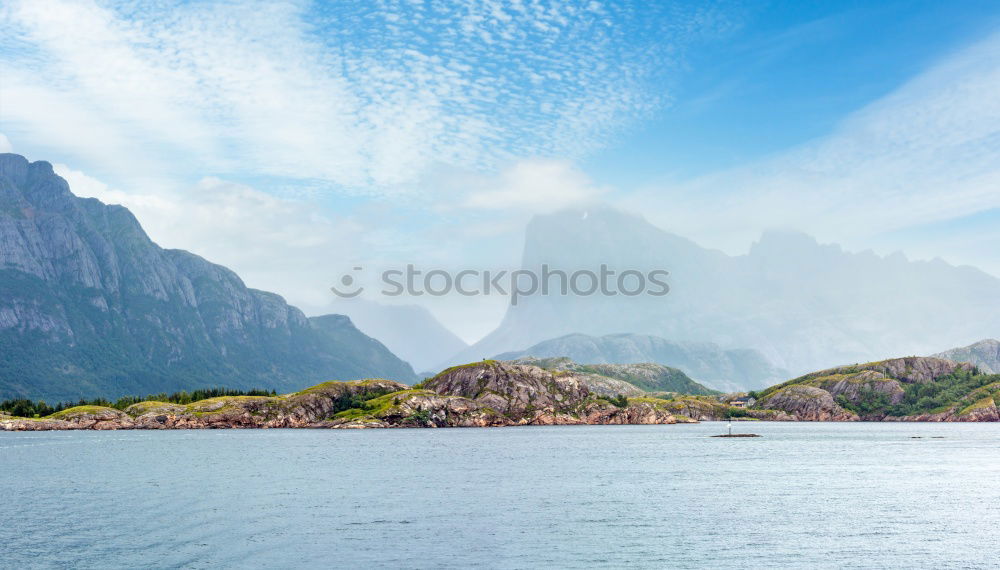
(482, 394)
(560, 392)
(900, 389)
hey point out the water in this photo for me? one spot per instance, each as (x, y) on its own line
(803, 496)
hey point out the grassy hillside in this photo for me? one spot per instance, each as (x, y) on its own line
(910, 387)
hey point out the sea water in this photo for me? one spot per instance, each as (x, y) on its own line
(804, 495)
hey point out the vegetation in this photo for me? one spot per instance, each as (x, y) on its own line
(419, 417)
(941, 394)
(620, 400)
(959, 391)
(733, 412)
(869, 402)
(30, 409)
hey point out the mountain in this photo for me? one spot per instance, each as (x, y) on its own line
(803, 305)
(90, 306)
(409, 331)
(627, 379)
(731, 370)
(984, 354)
(905, 389)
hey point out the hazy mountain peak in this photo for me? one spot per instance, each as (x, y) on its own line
(803, 304)
(409, 331)
(789, 242)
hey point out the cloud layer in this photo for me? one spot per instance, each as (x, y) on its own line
(365, 96)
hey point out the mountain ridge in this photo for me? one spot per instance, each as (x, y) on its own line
(92, 306)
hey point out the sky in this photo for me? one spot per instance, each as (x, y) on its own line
(291, 141)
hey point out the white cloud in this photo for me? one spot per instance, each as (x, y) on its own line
(5, 145)
(368, 96)
(273, 244)
(536, 186)
(927, 153)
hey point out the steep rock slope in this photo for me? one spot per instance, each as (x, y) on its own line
(90, 306)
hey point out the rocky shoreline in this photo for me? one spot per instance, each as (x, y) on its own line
(496, 394)
(487, 394)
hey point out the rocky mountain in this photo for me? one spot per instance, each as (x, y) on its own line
(409, 331)
(984, 355)
(627, 379)
(475, 395)
(803, 305)
(89, 306)
(900, 389)
(727, 370)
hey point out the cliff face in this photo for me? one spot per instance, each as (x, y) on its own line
(90, 306)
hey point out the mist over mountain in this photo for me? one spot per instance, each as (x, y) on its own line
(409, 331)
(802, 304)
(90, 306)
(728, 370)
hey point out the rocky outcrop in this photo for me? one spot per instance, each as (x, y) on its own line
(807, 404)
(513, 390)
(480, 395)
(860, 387)
(910, 369)
(899, 389)
(308, 408)
(91, 307)
(628, 379)
(728, 369)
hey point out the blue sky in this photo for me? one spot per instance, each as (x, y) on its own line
(289, 140)
(787, 73)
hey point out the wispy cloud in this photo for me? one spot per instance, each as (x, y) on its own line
(925, 154)
(364, 95)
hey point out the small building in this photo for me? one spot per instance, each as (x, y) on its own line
(742, 402)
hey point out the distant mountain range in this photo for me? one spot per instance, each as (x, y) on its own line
(803, 305)
(409, 331)
(727, 370)
(984, 355)
(90, 306)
